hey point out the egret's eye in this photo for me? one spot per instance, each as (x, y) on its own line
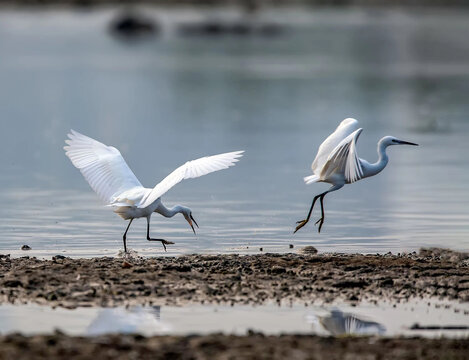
(394, 140)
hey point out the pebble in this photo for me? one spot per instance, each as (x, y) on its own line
(126, 265)
(310, 250)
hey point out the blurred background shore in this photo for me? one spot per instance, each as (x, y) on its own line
(248, 4)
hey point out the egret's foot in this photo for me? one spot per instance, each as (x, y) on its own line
(300, 223)
(320, 222)
(163, 242)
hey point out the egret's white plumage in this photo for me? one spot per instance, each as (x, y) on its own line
(337, 162)
(102, 166)
(108, 174)
(338, 154)
(189, 170)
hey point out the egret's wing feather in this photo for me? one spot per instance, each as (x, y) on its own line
(344, 159)
(345, 128)
(102, 166)
(191, 169)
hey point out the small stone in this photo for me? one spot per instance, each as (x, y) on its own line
(260, 249)
(310, 250)
(26, 247)
(52, 296)
(133, 25)
(278, 270)
(126, 265)
(13, 283)
(387, 282)
(291, 246)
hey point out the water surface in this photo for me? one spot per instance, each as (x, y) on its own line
(386, 319)
(165, 100)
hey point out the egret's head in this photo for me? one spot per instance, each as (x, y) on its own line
(187, 213)
(391, 140)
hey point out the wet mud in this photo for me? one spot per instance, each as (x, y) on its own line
(213, 347)
(235, 279)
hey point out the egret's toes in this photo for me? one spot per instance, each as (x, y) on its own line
(163, 242)
(300, 225)
(166, 242)
(320, 225)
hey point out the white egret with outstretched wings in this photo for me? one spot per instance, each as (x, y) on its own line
(337, 162)
(108, 174)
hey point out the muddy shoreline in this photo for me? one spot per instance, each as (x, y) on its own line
(254, 346)
(235, 279)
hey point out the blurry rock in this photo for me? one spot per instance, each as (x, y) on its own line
(126, 265)
(271, 29)
(291, 246)
(131, 25)
(206, 28)
(309, 250)
(220, 27)
(241, 28)
(13, 283)
(444, 254)
(26, 247)
(83, 4)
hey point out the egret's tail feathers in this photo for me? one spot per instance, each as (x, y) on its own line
(311, 179)
(119, 204)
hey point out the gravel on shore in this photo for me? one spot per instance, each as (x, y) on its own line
(234, 279)
(217, 346)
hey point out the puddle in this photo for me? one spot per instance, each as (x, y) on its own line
(423, 318)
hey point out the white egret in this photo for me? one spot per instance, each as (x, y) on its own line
(111, 178)
(337, 162)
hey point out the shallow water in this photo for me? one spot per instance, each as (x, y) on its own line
(169, 99)
(387, 319)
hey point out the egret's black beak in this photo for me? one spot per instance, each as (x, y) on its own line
(195, 222)
(407, 143)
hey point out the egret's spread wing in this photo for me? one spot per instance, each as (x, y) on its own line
(344, 159)
(192, 169)
(102, 166)
(345, 128)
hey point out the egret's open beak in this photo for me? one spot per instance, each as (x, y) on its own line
(190, 223)
(407, 143)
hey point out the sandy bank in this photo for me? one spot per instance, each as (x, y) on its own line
(250, 279)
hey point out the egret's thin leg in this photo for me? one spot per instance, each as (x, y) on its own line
(163, 241)
(302, 223)
(125, 235)
(321, 220)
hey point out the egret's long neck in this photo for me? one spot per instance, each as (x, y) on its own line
(373, 169)
(166, 212)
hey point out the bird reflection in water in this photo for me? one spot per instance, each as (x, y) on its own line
(340, 323)
(137, 319)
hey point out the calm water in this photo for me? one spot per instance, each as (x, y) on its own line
(365, 319)
(169, 99)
